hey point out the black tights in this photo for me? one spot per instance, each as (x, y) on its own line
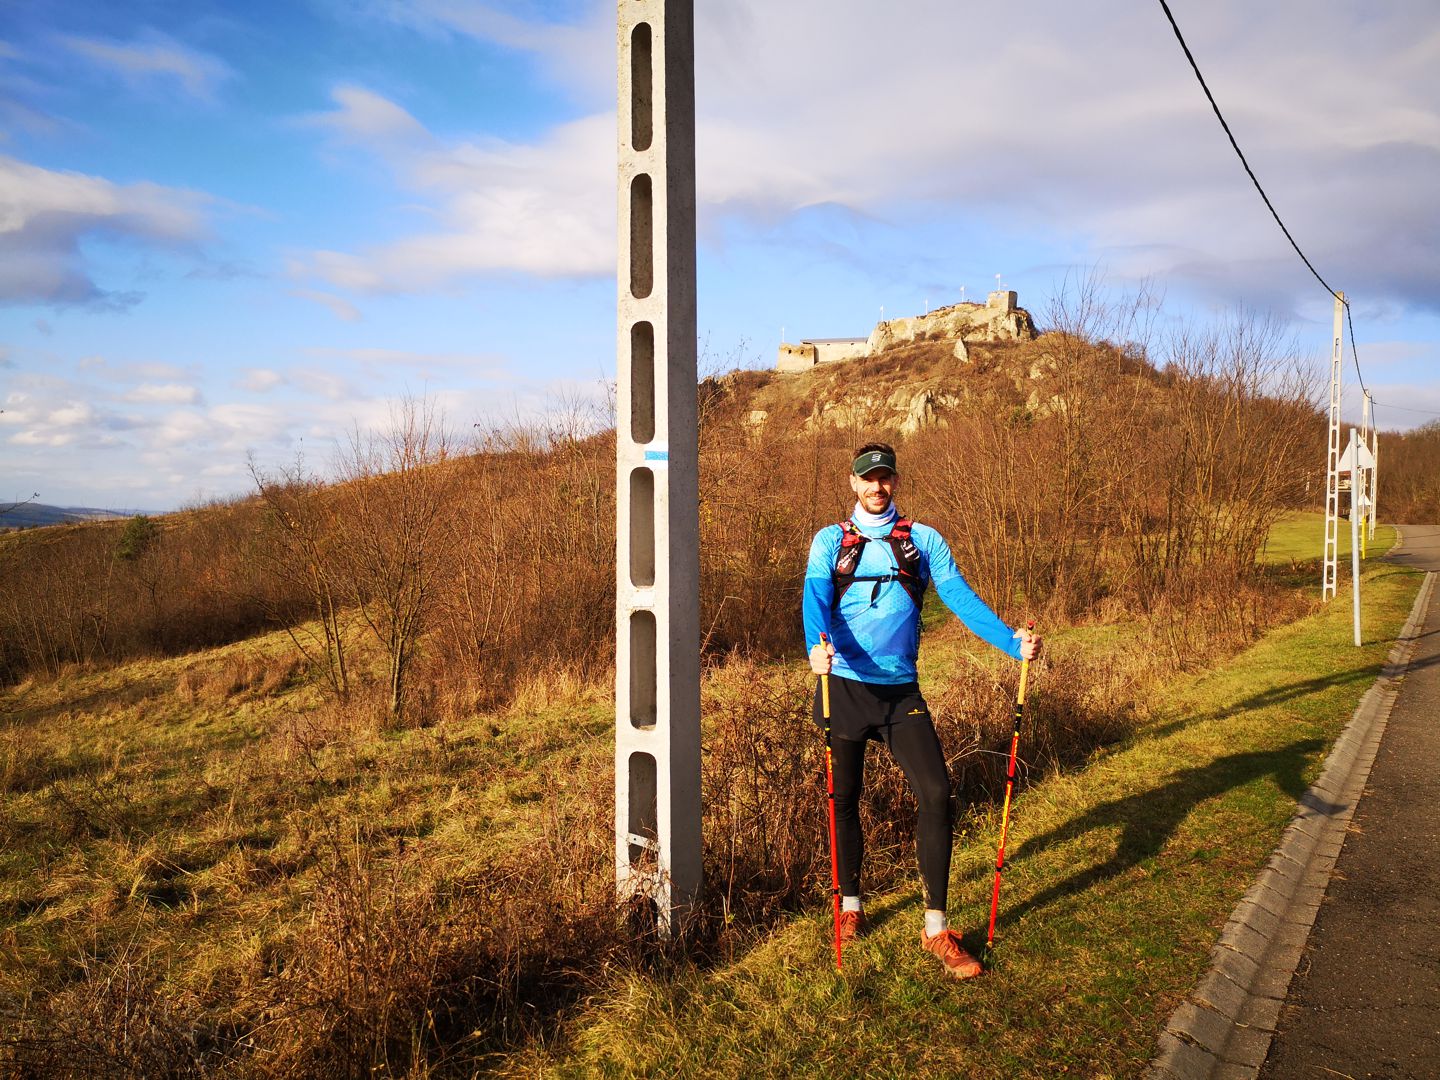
(917, 749)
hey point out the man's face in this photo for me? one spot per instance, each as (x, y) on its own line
(875, 490)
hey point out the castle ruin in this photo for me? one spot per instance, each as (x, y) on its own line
(998, 319)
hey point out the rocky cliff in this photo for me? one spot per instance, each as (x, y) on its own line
(926, 380)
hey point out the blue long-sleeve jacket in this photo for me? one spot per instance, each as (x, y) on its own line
(876, 634)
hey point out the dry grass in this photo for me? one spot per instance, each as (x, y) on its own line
(236, 676)
(237, 862)
(213, 866)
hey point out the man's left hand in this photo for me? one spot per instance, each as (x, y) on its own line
(1030, 644)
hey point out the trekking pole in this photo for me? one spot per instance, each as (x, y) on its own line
(1009, 790)
(830, 797)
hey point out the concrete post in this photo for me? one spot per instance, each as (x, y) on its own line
(657, 649)
(1352, 454)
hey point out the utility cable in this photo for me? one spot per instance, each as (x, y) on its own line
(1354, 352)
(1254, 180)
(1403, 408)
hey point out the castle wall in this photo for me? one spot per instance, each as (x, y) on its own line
(998, 319)
(828, 352)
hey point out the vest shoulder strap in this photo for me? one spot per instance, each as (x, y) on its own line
(907, 560)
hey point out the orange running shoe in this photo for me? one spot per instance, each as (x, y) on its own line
(852, 925)
(959, 964)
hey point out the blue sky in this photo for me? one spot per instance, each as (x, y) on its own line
(236, 230)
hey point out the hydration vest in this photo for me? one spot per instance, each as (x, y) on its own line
(907, 562)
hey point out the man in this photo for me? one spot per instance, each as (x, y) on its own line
(863, 588)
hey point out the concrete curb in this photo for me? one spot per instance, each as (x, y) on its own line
(1223, 1031)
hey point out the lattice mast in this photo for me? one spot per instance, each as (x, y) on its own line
(1367, 440)
(1331, 570)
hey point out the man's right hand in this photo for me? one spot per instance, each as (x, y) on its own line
(820, 658)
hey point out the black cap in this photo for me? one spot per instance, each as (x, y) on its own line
(871, 460)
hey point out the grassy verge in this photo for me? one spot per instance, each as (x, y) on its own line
(1121, 877)
(1300, 535)
(205, 865)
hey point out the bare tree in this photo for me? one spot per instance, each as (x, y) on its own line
(300, 549)
(395, 505)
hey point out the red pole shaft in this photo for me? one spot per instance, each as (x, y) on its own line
(830, 800)
(1009, 791)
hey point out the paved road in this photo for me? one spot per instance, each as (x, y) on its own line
(1365, 1000)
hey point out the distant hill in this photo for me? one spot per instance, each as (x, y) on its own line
(33, 515)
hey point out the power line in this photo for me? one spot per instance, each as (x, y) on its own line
(1240, 154)
(1254, 180)
(1354, 351)
(1402, 408)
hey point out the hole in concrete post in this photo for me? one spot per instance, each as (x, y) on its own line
(642, 99)
(642, 528)
(644, 816)
(644, 672)
(642, 382)
(642, 237)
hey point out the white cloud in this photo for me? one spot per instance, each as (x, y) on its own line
(925, 110)
(1066, 120)
(156, 58)
(45, 420)
(577, 54)
(375, 360)
(259, 380)
(545, 208)
(365, 116)
(1086, 123)
(164, 393)
(72, 414)
(180, 428)
(45, 214)
(79, 435)
(325, 384)
(338, 305)
(140, 372)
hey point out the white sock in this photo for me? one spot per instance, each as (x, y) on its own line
(850, 903)
(935, 922)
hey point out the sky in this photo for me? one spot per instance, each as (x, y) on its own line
(233, 232)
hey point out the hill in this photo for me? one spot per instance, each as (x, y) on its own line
(908, 387)
(35, 515)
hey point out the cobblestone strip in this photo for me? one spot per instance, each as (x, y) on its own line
(1223, 1031)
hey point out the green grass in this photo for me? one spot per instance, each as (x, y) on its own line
(1300, 536)
(1120, 878)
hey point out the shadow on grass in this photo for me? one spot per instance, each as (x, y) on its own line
(105, 699)
(1148, 819)
(1267, 699)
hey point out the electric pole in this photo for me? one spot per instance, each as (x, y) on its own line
(657, 526)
